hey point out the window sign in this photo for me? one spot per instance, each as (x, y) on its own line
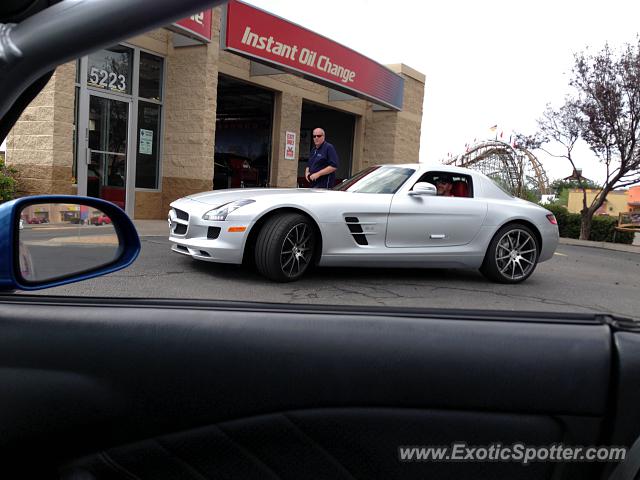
(290, 147)
(146, 142)
(110, 69)
(147, 159)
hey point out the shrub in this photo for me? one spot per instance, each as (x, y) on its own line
(8, 182)
(602, 228)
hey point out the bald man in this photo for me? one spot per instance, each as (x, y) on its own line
(323, 162)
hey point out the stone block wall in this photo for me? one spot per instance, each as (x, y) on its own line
(394, 137)
(40, 145)
(190, 120)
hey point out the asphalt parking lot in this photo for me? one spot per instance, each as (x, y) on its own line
(578, 279)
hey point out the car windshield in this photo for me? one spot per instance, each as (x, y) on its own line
(382, 179)
(266, 110)
(267, 239)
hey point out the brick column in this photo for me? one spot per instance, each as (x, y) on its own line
(190, 118)
(40, 145)
(288, 111)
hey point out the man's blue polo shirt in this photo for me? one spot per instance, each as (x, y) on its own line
(322, 157)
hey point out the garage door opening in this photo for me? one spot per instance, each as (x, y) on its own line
(339, 128)
(244, 119)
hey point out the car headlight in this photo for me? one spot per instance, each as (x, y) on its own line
(219, 214)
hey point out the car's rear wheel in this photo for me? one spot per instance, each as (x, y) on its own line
(285, 247)
(512, 255)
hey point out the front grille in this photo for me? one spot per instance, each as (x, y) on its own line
(213, 233)
(180, 229)
(182, 215)
(353, 224)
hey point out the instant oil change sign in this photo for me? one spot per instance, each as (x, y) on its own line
(271, 40)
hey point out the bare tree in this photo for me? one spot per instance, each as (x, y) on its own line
(605, 112)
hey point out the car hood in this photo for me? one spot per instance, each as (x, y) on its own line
(219, 197)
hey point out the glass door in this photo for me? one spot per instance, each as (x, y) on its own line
(107, 130)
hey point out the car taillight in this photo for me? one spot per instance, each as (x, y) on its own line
(552, 218)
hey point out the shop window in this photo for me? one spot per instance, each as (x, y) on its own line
(148, 132)
(150, 76)
(110, 69)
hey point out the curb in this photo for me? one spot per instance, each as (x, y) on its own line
(604, 245)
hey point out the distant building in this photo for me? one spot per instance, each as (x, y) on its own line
(633, 199)
(616, 202)
(546, 199)
(576, 176)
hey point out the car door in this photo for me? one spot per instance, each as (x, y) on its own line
(433, 221)
(184, 389)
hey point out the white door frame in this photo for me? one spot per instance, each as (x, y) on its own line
(83, 135)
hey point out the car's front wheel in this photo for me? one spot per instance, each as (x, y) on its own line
(285, 247)
(512, 255)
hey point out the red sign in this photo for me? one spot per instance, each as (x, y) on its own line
(257, 34)
(196, 26)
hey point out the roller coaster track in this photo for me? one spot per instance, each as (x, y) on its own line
(516, 169)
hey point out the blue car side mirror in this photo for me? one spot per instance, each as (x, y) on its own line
(52, 240)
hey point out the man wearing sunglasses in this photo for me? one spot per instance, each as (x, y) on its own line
(323, 162)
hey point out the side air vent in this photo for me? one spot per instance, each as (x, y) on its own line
(353, 224)
(180, 229)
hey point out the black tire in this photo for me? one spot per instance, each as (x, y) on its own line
(285, 247)
(512, 255)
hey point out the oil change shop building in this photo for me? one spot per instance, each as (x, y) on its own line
(226, 98)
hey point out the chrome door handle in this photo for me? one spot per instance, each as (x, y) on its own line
(437, 236)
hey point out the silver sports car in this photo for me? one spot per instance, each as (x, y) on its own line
(413, 215)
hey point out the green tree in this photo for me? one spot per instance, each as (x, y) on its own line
(562, 188)
(559, 185)
(8, 182)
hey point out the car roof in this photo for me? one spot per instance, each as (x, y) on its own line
(431, 166)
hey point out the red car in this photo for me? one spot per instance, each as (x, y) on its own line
(101, 220)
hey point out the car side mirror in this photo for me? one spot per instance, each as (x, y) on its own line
(52, 240)
(423, 188)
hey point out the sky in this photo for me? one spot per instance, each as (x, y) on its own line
(486, 62)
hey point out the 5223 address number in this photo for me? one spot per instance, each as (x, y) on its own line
(106, 79)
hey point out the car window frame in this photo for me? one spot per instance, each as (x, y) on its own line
(468, 176)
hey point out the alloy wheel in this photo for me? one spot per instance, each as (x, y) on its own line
(516, 254)
(297, 250)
